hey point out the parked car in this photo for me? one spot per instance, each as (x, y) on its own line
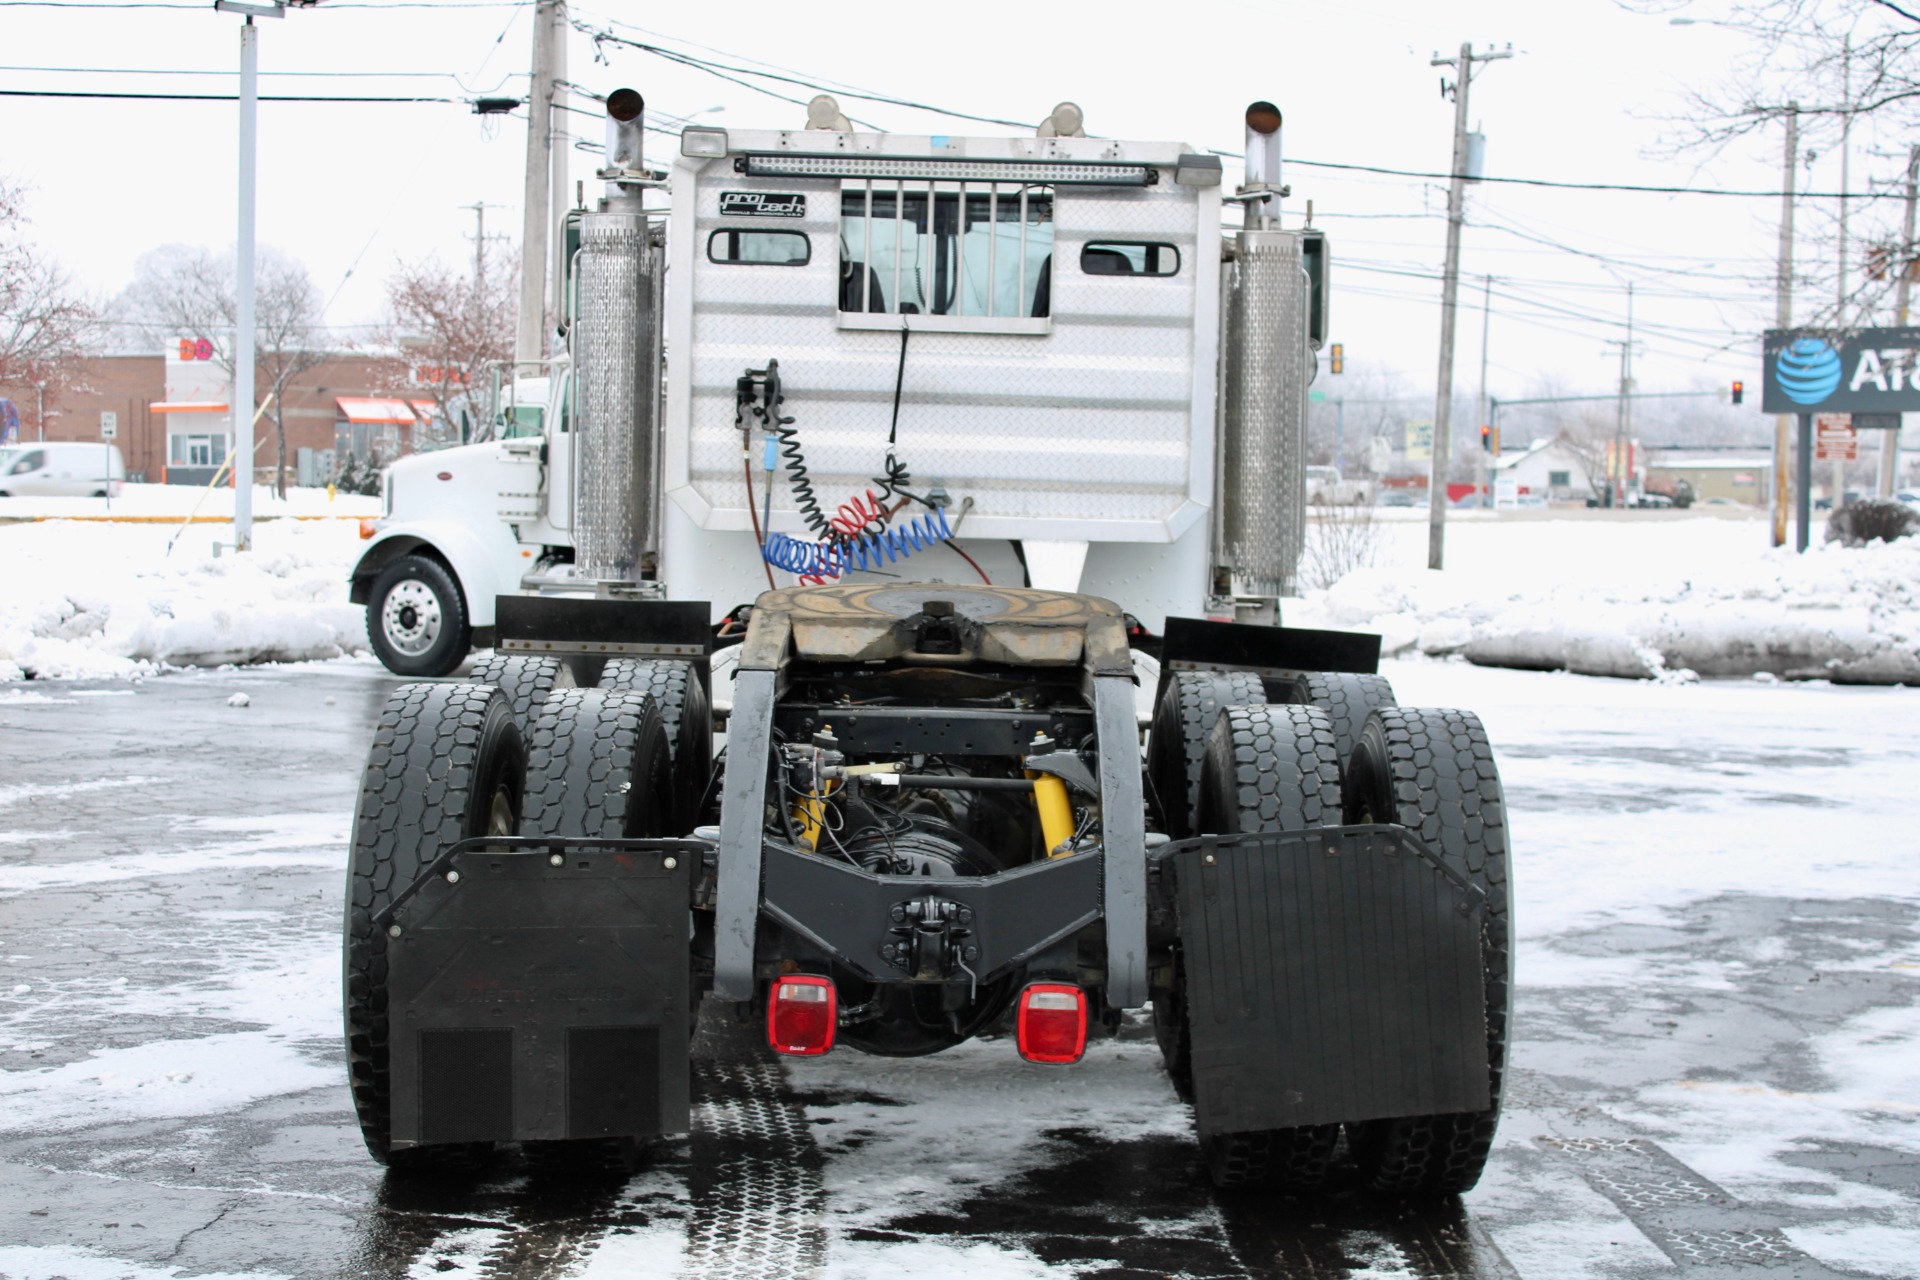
(1652, 501)
(1400, 498)
(1325, 488)
(61, 469)
(1909, 496)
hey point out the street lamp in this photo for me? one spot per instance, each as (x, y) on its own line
(242, 398)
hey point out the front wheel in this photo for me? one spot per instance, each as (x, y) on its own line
(417, 618)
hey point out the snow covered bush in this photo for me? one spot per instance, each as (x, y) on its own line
(1867, 520)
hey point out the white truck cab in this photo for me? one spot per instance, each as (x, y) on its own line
(1036, 361)
(459, 527)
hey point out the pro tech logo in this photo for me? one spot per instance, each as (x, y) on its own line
(762, 204)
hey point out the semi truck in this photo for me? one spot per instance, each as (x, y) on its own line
(887, 651)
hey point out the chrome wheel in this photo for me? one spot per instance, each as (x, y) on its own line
(410, 617)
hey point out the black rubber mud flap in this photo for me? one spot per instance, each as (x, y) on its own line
(1332, 975)
(534, 1002)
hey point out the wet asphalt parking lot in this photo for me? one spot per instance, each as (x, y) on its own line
(1714, 1066)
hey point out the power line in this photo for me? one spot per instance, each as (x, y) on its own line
(202, 8)
(728, 72)
(228, 73)
(203, 97)
(717, 68)
(1643, 189)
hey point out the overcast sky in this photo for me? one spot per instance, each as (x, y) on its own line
(352, 189)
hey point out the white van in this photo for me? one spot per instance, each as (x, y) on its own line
(62, 469)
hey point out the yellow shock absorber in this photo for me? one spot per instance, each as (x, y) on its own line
(1056, 815)
(811, 813)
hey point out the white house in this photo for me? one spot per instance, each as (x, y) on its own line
(1545, 469)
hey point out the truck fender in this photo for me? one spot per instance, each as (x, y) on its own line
(482, 572)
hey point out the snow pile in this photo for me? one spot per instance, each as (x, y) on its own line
(1696, 606)
(177, 501)
(105, 601)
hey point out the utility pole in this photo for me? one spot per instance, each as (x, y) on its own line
(1486, 328)
(479, 246)
(1623, 414)
(1449, 296)
(1904, 264)
(1783, 319)
(542, 129)
(1840, 281)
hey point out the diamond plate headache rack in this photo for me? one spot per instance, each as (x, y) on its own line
(1331, 841)
(553, 847)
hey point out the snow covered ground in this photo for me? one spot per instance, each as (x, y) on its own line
(1634, 593)
(92, 594)
(1660, 594)
(1719, 961)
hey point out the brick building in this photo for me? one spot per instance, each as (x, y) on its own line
(173, 423)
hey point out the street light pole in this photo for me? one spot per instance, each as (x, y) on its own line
(241, 401)
(242, 398)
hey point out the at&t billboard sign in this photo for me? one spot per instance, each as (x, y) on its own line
(1841, 371)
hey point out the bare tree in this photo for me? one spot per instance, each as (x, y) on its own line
(1839, 66)
(1339, 540)
(1589, 436)
(456, 324)
(46, 326)
(1373, 400)
(190, 291)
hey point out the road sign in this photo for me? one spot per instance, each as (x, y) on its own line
(1835, 438)
(1419, 441)
(109, 424)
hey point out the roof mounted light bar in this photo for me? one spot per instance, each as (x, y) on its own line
(785, 164)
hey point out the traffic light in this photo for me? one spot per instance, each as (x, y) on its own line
(1739, 391)
(1486, 439)
(1339, 358)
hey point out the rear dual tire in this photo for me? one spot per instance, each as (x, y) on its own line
(1433, 773)
(1266, 768)
(447, 764)
(687, 713)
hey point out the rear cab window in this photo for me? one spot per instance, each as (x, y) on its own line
(1129, 258)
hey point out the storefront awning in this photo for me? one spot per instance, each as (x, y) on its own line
(365, 410)
(189, 406)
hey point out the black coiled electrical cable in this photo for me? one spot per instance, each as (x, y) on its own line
(760, 393)
(803, 496)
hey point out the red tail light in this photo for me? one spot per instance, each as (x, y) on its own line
(801, 1013)
(1053, 1023)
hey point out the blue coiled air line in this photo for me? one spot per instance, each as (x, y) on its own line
(868, 551)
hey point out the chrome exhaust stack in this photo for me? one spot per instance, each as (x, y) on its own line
(1266, 362)
(616, 348)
